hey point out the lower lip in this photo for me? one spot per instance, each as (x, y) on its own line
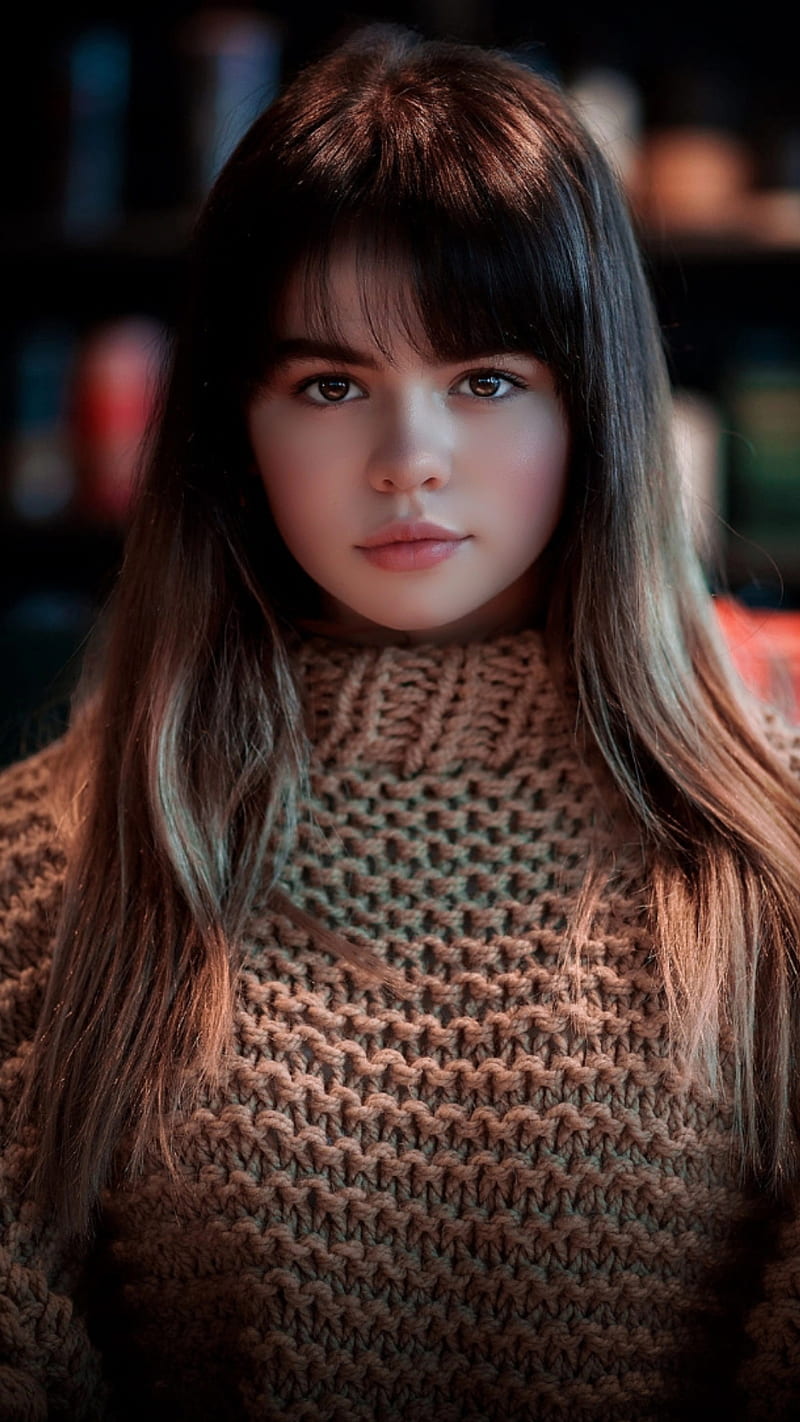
(402, 557)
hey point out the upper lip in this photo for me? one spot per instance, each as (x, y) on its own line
(410, 533)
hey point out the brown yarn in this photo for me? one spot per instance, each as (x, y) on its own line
(480, 1195)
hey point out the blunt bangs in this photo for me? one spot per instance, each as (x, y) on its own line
(449, 293)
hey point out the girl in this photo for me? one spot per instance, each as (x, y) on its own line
(400, 950)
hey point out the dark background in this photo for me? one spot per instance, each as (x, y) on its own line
(722, 296)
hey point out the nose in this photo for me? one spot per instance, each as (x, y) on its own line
(412, 448)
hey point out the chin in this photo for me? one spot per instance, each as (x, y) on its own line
(391, 616)
(422, 624)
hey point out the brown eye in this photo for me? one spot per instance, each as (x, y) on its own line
(484, 384)
(333, 388)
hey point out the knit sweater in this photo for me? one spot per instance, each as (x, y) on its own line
(473, 1193)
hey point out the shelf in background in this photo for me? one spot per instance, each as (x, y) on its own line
(165, 233)
(138, 267)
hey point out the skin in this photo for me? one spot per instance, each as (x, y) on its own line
(346, 446)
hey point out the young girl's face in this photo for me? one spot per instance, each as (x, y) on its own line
(418, 495)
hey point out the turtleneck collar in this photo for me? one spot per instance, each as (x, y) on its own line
(428, 707)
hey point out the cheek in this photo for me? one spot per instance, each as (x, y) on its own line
(291, 446)
(285, 461)
(533, 481)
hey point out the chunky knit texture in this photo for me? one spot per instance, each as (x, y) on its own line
(460, 1196)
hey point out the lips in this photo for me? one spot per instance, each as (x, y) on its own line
(411, 547)
(420, 532)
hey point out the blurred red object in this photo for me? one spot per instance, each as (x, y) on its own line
(116, 384)
(765, 646)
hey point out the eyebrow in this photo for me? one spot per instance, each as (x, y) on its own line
(295, 348)
(304, 348)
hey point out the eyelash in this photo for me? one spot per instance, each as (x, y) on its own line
(303, 385)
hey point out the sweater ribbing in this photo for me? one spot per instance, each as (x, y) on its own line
(418, 708)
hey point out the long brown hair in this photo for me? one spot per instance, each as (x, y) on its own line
(188, 733)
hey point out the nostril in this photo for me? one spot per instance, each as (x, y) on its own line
(412, 473)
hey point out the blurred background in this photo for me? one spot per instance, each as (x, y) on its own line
(116, 119)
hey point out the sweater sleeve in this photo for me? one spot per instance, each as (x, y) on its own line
(770, 1373)
(48, 1365)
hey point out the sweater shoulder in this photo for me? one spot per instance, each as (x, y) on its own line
(32, 864)
(783, 736)
(27, 788)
